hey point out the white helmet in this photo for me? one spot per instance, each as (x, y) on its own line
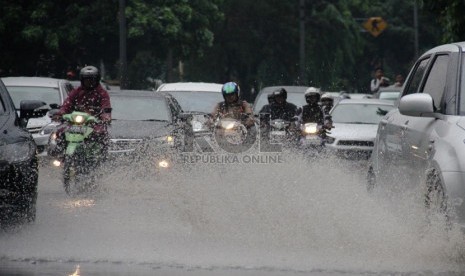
(312, 90)
(312, 95)
(327, 97)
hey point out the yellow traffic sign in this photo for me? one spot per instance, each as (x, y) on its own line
(375, 25)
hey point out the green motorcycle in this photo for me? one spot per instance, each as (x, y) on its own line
(82, 156)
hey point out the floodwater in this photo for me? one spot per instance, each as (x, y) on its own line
(271, 217)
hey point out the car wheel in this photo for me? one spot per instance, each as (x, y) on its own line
(30, 210)
(371, 179)
(27, 209)
(69, 176)
(435, 199)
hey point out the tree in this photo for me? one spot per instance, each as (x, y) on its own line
(165, 29)
(51, 35)
(449, 14)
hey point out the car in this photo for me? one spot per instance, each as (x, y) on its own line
(420, 143)
(355, 125)
(49, 90)
(18, 159)
(196, 98)
(145, 126)
(105, 85)
(390, 93)
(295, 95)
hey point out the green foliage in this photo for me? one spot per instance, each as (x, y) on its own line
(449, 14)
(255, 43)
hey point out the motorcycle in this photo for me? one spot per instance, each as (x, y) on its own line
(81, 156)
(312, 137)
(281, 131)
(232, 135)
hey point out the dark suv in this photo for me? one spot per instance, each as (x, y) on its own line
(18, 159)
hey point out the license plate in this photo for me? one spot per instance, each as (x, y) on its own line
(312, 138)
(77, 129)
(278, 133)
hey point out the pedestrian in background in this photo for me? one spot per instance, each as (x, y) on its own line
(399, 81)
(379, 81)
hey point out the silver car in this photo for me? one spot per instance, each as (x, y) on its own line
(48, 90)
(355, 126)
(420, 145)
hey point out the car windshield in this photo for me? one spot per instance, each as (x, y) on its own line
(389, 95)
(296, 98)
(359, 113)
(48, 95)
(139, 109)
(462, 95)
(197, 100)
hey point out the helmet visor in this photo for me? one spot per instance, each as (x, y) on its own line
(312, 98)
(89, 82)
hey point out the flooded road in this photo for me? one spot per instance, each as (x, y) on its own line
(283, 218)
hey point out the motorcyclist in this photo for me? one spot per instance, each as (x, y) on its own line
(312, 112)
(280, 108)
(89, 97)
(267, 107)
(327, 103)
(233, 106)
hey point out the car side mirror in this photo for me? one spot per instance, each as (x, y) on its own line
(185, 117)
(52, 112)
(417, 105)
(29, 109)
(54, 106)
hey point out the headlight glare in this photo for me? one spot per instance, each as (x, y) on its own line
(310, 128)
(79, 119)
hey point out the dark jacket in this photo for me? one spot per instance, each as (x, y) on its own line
(235, 111)
(286, 112)
(96, 103)
(312, 114)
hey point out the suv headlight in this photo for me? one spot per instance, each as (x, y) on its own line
(197, 126)
(169, 140)
(17, 152)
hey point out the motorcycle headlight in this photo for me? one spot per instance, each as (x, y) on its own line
(78, 119)
(229, 126)
(164, 164)
(310, 128)
(278, 125)
(17, 152)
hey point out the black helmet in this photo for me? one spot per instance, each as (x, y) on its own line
(230, 88)
(280, 93)
(312, 95)
(90, 77)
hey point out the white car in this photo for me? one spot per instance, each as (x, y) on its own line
(196, 98)
(295, 95)
(420, 144)
(355, 125)
(48, 90)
